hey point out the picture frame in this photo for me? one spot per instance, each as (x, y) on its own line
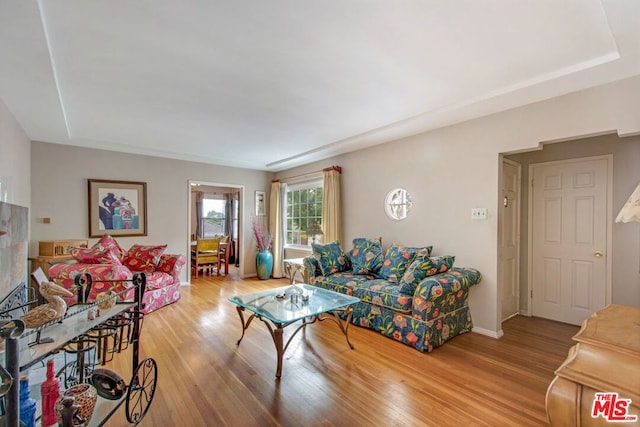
(260, 202)
(118, 208)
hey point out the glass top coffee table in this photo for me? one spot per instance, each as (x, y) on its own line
(281, 307)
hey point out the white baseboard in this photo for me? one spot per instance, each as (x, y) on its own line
(493, 334)
(185, 284)
(510, 317)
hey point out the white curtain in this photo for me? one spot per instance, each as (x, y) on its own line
(332, 205)
(276, 229)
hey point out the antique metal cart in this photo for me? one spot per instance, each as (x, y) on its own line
(21, 353)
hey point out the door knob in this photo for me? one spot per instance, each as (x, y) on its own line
(599, 254)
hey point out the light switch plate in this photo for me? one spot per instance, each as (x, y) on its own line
(479, 213)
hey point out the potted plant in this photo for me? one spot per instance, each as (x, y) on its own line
(264, 257)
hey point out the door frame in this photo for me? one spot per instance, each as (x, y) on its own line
(192, 182)
(609, 221)
(501, 222)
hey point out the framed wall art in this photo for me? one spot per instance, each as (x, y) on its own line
(260, 203)
(118, 208)
(14, 243)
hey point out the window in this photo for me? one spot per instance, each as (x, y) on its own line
(213, 217)
(304, 207)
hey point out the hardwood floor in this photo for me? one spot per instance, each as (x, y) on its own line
(204, 379)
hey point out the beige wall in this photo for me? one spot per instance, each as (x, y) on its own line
(451, 170)
(15, 162)
(59, 191)
(625, 242)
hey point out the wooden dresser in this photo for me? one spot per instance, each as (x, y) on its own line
(606, 358)
(55, 251)
(45, 262)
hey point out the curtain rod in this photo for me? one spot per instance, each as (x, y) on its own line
(335, 168)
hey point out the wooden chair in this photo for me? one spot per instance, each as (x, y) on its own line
(223, 257)
(205, 256)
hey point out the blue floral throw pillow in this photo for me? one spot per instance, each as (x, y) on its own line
(427, 249)
(423, 266)
(396, 261)
(331, 258)
(366, 256)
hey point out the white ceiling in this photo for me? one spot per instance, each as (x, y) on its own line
(272, 85)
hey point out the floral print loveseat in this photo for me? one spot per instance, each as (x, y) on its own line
(106, 260)
(406, 293)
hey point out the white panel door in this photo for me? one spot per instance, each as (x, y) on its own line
(510, 238)
(569, 239)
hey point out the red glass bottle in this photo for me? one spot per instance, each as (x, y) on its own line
(50, 391)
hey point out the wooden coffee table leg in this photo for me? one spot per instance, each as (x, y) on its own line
(349, 311)
(279, 342)
(244, 325)
(335, 317)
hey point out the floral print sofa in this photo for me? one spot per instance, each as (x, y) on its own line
(106, 260)
(406, 293)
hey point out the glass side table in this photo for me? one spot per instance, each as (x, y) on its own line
(293, 266)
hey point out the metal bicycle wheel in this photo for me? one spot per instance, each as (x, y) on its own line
(141, 390)
(69, 374)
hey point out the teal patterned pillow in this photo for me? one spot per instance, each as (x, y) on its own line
(396, 261)
(424, 266)
(366, 256)
(331, 258)
(427, 249)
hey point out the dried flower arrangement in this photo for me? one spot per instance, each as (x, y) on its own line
(263, 238)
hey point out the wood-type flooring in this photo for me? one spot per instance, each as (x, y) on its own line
(205, 379)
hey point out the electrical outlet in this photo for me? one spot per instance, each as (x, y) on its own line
(479, 213)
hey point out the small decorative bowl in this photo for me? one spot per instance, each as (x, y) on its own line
(106, 300)
(85, 397)
(108, 384)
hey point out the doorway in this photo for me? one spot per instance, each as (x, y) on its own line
(570, 203)
(216, 209)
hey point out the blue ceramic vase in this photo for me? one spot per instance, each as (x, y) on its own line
(264, 264)
(27, 404)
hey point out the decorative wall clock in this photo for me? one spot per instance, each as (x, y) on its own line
(397, 204)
